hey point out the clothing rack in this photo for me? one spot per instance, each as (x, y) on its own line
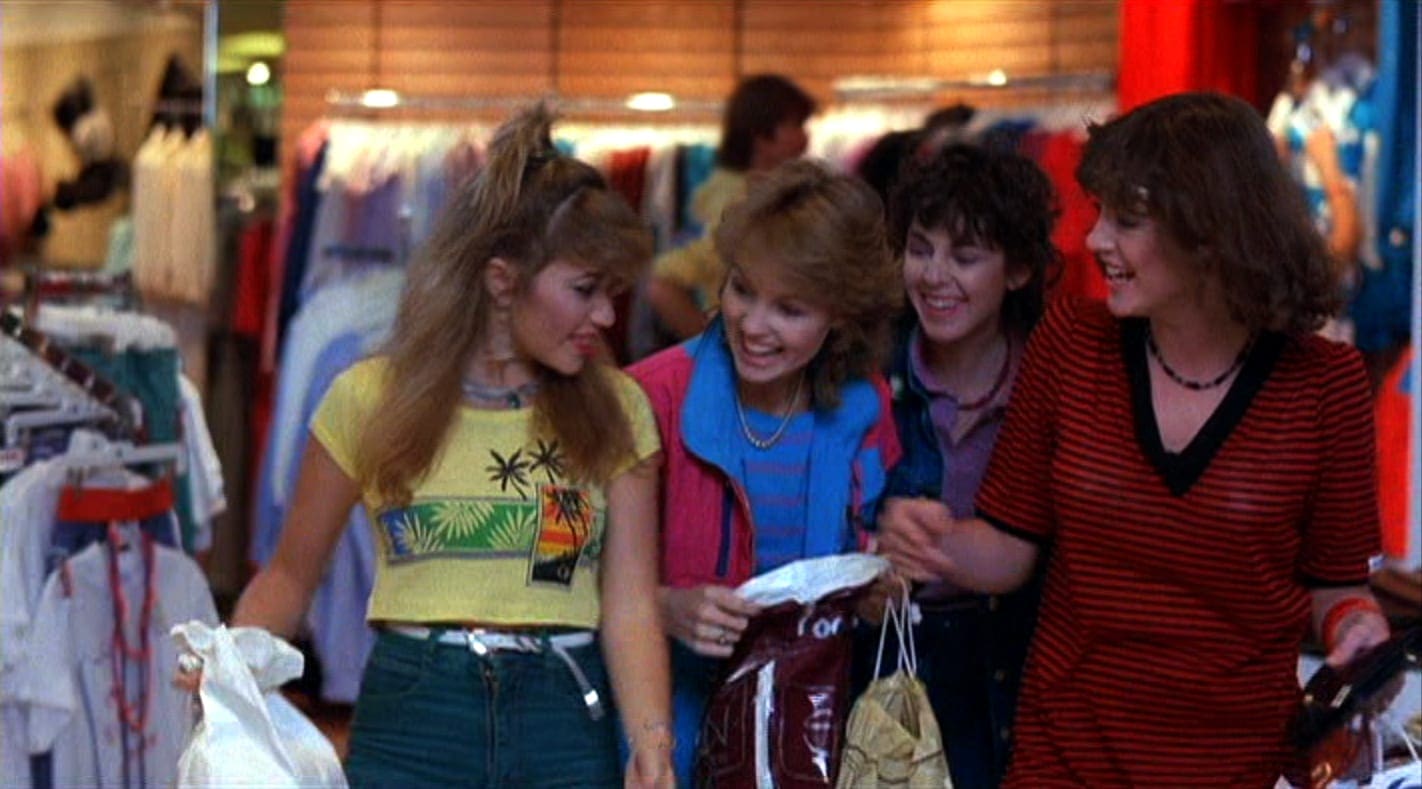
(126, 411)
(91, 451)
(41, 284)
(869, 88)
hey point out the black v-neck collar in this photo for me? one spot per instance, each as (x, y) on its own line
(1181, 470)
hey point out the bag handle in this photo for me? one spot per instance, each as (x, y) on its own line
(902, 620)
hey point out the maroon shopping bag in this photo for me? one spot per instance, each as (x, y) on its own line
(777, 719)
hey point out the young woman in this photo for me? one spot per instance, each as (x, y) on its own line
(973, 229)
(1200, 463)
(511, 479)
(778, 432)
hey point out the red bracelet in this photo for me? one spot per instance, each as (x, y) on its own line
(1340, 611)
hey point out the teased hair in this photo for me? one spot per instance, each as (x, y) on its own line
(824, 231)
(995, 199)
(1205, 167)
(758, 105)
(529, 206)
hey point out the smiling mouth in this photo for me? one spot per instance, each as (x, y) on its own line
(941, 303)
(1117, 275)
(756, 356)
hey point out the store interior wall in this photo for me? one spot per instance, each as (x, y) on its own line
(612, 48)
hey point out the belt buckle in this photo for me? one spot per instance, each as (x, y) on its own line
(471, 640)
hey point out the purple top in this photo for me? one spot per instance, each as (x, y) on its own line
(965, 461)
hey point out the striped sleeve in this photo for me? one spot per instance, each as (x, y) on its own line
(1342, 527)
(1015, 495)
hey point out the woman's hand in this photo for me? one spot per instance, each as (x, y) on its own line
(910, 533)
(709, 620)
(1355, 634)
(871, 605)
(189, 676)
(650, 766)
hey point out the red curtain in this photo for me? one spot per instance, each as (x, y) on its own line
(1168, 46)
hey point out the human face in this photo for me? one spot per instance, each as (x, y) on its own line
(558, 321)
(787, 141)
(957, 289)
(1146, 271)
(773, 333)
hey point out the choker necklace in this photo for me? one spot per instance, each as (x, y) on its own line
(1196, 386)
(511, 396)
(997, 385)
(766, 443)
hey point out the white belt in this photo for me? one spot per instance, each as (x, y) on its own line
(482, 642)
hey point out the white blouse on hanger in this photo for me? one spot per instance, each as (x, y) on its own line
(68, 681)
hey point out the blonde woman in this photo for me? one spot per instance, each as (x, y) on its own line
(511, 479)
(776, 422)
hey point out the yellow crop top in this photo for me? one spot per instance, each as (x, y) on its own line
(495, 532)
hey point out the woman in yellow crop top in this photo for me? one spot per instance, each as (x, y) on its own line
(510, 476)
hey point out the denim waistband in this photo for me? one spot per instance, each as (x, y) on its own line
(482, 642)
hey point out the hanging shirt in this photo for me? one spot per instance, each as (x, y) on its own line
(364, 304)
(206, 493)
(27, 507)
(68, 677)
(27, 504)
(192, 225)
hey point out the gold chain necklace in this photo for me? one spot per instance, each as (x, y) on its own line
(766, 443)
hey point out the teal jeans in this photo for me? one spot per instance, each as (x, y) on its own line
(432, 714)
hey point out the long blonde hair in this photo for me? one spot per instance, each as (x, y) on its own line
(529, 206)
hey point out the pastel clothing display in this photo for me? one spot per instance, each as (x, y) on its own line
(174, 216)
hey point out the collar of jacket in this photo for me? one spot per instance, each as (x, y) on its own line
(711, 431)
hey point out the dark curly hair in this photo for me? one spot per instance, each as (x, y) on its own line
(823, 231)
(995, 199)
(1205, 167)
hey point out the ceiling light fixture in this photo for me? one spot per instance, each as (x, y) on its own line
(651, 102)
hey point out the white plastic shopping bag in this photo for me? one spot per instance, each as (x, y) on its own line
(249, 735)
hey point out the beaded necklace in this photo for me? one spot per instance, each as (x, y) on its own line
(511, 396)
(1190, 383)
(997, 384)
(132, 716)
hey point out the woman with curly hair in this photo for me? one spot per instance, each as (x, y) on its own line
(1198, 460)
(776, 424)
(974, 231)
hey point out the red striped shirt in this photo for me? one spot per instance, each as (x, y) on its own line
(1177, 590)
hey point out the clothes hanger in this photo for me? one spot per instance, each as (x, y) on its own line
(90, 450)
